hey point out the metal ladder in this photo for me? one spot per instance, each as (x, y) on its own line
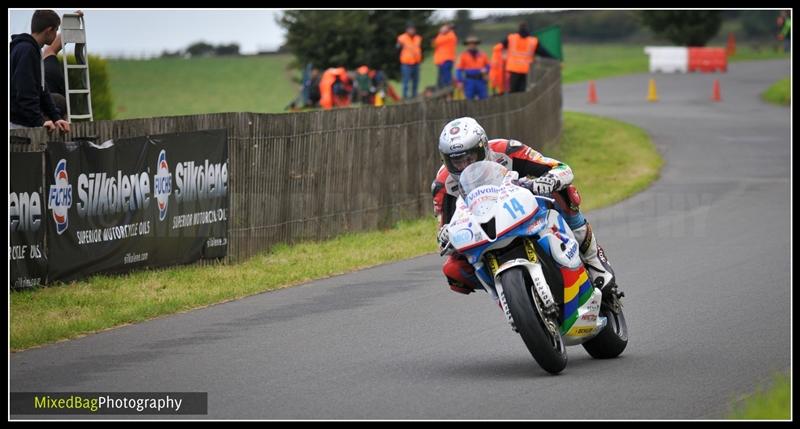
(73, 30)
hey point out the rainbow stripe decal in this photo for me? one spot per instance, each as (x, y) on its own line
(577, 290)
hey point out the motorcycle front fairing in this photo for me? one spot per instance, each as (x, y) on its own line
(507, 210)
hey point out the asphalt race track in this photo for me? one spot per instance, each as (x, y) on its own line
(703, 256)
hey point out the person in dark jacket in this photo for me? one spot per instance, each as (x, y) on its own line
(31, 103)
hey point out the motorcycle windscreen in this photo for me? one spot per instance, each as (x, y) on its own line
(481, 173)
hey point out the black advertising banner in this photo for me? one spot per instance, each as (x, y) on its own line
(129, 203)
(190, 175)
(99, 198)
(26, 218)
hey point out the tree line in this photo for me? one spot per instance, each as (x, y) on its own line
(203, 49)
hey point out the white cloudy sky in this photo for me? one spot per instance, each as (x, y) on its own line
(138, 32)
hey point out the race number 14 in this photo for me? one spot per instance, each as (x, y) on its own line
(514, 207)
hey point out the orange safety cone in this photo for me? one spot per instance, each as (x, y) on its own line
(652, 93)
(592, 93)
(730, 50)
(716, 96)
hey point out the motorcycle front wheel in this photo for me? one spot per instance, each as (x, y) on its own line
(548, 350)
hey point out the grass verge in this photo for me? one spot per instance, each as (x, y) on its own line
(601, 151)
(611, 160)
(779, 92)
(766, 404)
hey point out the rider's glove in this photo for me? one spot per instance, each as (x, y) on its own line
(545, 185)
(443, 236)
(525, 182)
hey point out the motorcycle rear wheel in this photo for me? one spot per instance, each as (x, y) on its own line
(613, 339)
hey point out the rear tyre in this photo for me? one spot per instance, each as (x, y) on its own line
(613, 339)
(548, 350)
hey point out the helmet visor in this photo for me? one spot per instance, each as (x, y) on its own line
(457, 162)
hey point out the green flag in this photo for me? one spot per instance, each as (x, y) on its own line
(550, 41)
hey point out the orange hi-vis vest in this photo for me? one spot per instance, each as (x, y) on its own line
(497, 72)
(327, 99)
(411, 52)
(444, 46)
(520, 53)
(467, 62)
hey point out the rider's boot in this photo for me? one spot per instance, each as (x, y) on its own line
(460, 274)
(594, 259)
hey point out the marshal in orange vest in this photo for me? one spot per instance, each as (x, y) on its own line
(444, 46)
(411, 48)
(520, 53)
(497, 72)
(327, 98)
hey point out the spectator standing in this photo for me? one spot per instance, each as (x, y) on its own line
(444, 54)
(785, 29)
(521, 50)
(410, 45)
(31, 103)
(497, 71)
(473, 70)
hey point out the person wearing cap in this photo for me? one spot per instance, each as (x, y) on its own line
(473, 69)
(410, 45)
(444, 54)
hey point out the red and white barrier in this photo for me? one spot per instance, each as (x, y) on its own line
(673, 59)
(668, 59)
(708, 60)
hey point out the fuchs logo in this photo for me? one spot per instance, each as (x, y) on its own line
(163, 184)
(60, 198)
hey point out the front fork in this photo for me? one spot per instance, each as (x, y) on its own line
(543, 298)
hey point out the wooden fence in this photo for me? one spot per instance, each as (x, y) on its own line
(313, 175)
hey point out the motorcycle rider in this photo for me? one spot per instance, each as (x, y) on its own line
(462, 142)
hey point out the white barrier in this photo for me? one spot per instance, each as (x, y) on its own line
(668, 59)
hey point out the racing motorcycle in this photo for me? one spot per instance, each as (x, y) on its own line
(526, 257)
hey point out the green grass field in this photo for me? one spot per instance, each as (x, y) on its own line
(58, 312)
(174, 86)
(779, 92)
(773, 403)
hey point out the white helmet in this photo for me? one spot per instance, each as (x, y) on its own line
(462, 142)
